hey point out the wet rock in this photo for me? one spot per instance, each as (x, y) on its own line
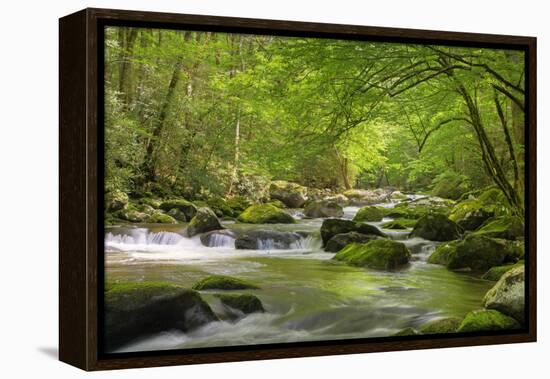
(339, 241)
(217, 237)
(265, 214)
(138, 309)
(222, 282)
(323, 208)
(507, 227)
(186, 207)
(291, 194)
(436, 227)
(333, 226)
(245, 303)
(369, 213)
(380, 254)
(508, 295)
(443, 325)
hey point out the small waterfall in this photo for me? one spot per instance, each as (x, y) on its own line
(307, 243)
(140, 237)
(221, 240)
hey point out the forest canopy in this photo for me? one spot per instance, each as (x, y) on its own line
(200, 114)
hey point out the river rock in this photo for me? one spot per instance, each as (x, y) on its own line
(476, 253)
(398, 196)
(177, 214)
(339, 241)
(265, 214)
(470, 214)
(507, 227)
(138, 309)
(436, 227)
(244, 303)
(292, 194)
(334, 226)
(115, 200)
(204, 221)
(132, 215)
(442, 325)
(222, 282)
(487, 320)
(186, 207)
(399, 224)
(159, 217)
(508, 295)
(217, 238)
(369, 213)
(380, 254)
(495, 273)
(323, 208)
(266, 239)
(340, 199)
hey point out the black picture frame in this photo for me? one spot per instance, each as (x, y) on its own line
(81, 188)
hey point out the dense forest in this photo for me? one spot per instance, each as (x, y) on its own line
(200, 115)
(265, 189)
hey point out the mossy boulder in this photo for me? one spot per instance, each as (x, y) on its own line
(487, 320)
(443, 325)
(339, 241)
(470, 214)
(291, 194)
(406, 332)
(507, 227)
(177, 214)
(450, 185)
(138, 309)
(363, 196)
(334, 226)
(478, 253)
(245, 303)
(323, 208)
(266, 240)
(116, 200)
(443, 253)
(399, 224)
(339, 198)
(151, 201)
(186, 207)
(204, 221)
(277, 203)
(495, 273)
(380, 254)
(222, 282)
(221, 208)
(508, 295)
(420, 207)
(436, 227)
(265, 214)
(161, 218)
(131, 214)
(369, 213)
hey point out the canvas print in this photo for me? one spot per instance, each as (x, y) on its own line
(264, 189)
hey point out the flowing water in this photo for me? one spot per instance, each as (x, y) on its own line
(307, 296)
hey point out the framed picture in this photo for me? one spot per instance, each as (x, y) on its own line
(240, 189)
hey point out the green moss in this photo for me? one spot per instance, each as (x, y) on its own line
(508, 227)
(470, 214)
(368, 213)
(334, 226)
(378, 254)
(443, 253)
(188, 208)
(401, 223)
(265, 214)
(478, 253)
(436, 227)
(204, 221)
(161, 218)
(245, 303)
(444, 325)
(495, 273)
(221, 282)
(406, 332)
(277, 203)
(487, 320)
(127, 294)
